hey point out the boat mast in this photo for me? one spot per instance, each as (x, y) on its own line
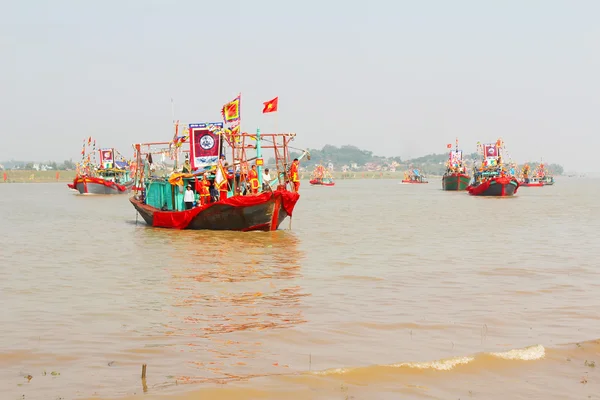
(259, 157)
(176, 155)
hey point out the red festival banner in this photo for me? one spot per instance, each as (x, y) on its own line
(106, 158)
(490, 150)
(205, 144)
(231, 110)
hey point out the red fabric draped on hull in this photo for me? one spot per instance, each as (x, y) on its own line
(502, 181)
(320, 183)
(93, 179)
(181, 219)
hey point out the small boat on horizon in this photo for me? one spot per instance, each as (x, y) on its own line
(527, 180)
(321, 177)
(492, 177)
(455, 178)
(544, 175)
(414, 176)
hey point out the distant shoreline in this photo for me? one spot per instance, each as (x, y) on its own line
(33, 176)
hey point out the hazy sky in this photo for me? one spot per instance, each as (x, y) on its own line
(394, 77)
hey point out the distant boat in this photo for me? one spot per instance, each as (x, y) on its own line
(109, 176)
(492, 177)
(544, 175)
(414, 176)
(321, 177)
(455, 178)
(527, 180)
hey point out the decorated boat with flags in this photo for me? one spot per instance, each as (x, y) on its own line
(528, 179)
(210, 192)
(111, 175)
(321, 177)
(414, 176)
(544, 175)
(492, 177)
(455, 178)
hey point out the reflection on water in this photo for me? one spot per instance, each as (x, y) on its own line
(222, 286)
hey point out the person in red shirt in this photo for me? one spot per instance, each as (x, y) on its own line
(294, 175)
(204, 190)
(253, 179)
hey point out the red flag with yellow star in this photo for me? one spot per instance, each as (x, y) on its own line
(270, 106)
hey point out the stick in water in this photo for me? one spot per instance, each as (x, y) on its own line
(144, 386)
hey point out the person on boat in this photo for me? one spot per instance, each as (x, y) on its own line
(294, 175)
(204, 190)
(253, 179)
(188, 198)
(223, 191)
(214, 193)
(266, 180)
(187, 168)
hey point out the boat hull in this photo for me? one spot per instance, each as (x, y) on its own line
(316, 182)
(94, 185)
(411, 181)
(547, 181)
(497, 187)
(455, 182)
(264, 212)
(532, 184)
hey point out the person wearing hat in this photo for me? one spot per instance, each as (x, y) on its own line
(188, 198)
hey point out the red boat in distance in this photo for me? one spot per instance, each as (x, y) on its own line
(414, 176)
(321, 177)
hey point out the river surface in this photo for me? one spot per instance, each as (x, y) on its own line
(379, 291)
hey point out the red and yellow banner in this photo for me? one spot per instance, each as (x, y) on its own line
(231, 110)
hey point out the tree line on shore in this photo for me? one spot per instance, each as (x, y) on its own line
(66, 165)
(344, 156)
(433, 164)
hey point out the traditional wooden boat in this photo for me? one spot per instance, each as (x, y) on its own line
(226, 197)
(110, 176)
(414, 176)
(531, 182)
(321, 177)
(455, 178)
(544, 175)
(492, 178)
(86, 184)
(547, 180)
(527, 180)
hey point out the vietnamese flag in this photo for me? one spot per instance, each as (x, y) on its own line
(449, 145)
(270, 106)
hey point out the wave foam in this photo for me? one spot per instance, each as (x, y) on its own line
(526, 354)
(440, 365)
(530, 353)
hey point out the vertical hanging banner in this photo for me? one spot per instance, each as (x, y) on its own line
(205, 142)
(106, 158)
(455, 157)
(490, 150)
